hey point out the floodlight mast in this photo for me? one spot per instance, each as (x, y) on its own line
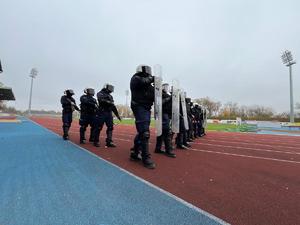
(33, 74)
(287, 59)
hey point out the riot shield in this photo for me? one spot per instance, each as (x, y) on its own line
(183, 105)
(158, 99)
(175, 106)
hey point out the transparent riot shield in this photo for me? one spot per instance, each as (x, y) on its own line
(183, 105)
(157, 72)
(175, 106)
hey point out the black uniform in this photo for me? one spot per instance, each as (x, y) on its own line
(142, 98)
(181, 138)
(190, 119)
(166, 129)
(88, 106)
(69, 105)
(197, 121)
(104, 115)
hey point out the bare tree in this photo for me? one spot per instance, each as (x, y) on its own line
(213, 107)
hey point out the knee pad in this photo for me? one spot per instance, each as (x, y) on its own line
(66, 124)
(145, 135)
(110, 128)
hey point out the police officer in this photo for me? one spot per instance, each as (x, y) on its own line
(69, 105)
(142, 98)
(189, 105)
(196, 119)
(104, 115)
(181, 138)
(203, 121)
(166, 136)
(88, 106)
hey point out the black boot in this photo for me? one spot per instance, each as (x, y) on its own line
(82, 135)
(134, 154)
(110, 145)
(66, 133)
(158, 145)
(109, 142)
(96, 144)
(168, 146)
(148, 163)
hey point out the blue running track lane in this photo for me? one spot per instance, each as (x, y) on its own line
(47, 181)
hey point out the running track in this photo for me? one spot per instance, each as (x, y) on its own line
(45, 180)
(244, 179)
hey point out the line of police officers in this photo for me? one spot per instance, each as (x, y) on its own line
(95, 113)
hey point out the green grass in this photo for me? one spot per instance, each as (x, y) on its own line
(210, 126)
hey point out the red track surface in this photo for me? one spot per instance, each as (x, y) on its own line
(245, 179)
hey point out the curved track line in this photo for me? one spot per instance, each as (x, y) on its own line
(215, 152)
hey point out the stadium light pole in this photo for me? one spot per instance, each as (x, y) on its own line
(287, 59)
(33, 74)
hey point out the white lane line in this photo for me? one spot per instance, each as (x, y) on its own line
(257, 140)
(189, 205)
(242, 148)
(245, 156)
(223, 139)
(128, 134)
(216, 152)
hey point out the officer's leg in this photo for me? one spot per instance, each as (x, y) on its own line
(135, 150)
(167, 134)
(179, 138)
(109, 131)
(83, 122)
(96, 130)
(143, 117)
(185, 139)
(190, 131)
(195, 129)
(159, 140)
(66, 125)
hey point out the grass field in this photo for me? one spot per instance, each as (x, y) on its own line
(210, 126)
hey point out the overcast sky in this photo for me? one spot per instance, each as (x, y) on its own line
(227, 50)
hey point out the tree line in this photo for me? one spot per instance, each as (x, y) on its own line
(216, 110)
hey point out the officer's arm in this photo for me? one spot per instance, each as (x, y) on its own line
(74, 104)
(103, 100)
(142, 81)
(115, 110)
(64, 101)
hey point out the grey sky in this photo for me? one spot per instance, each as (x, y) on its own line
(227, 50)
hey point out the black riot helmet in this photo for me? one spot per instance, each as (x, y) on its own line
(69, 92)
(144, 69)
(89, 91)
(1, 67)
(188, 100)
(110, 88)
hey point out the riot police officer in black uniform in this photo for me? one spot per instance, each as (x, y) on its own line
(196, 121)
(181, 138)
(142, 98)
(104, 115)
(166, 136)
(88, 106)
(189, 113)
(69, 105)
